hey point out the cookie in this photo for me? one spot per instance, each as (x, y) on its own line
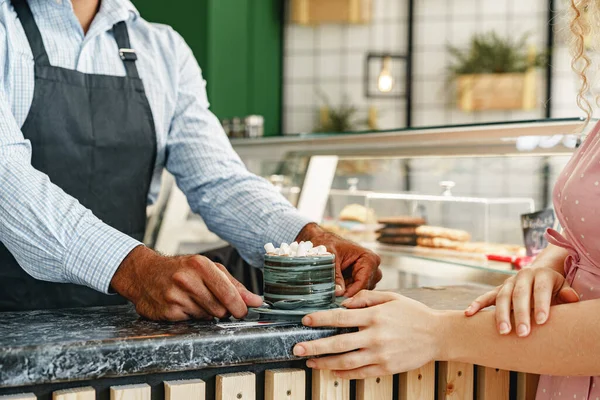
(401, 221)
(398, 231)
(446, 233)
(404, 240)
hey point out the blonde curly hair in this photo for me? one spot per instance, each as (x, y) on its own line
(583, 12)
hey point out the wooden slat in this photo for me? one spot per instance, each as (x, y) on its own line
(527, 386)
(379, 388)
(82, 393)
(22, 396)
(492, 384)
(193, 389)
(325, 386)
(130, 392)
(418, 384)
(236, 386)
(455, 381)
(285, 384)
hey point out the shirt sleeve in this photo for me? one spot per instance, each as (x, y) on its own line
(50, 234)
(240, 207)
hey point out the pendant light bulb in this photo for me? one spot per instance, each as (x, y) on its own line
(385, 81)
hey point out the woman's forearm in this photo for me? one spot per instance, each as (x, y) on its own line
(551, 257)
(567, 344)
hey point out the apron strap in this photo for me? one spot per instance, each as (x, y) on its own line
(126, 53)
(31, 31)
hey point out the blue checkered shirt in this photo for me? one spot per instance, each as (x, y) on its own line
(52, 236)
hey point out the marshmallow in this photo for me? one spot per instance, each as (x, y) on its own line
(309, 245)
(285, 249)
(321, 249)
(269, 248)
(302, 251)
(294, 246)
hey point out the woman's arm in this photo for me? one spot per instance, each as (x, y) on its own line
(397, 334)
(567, 344)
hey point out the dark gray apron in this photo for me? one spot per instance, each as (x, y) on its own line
(94, 136)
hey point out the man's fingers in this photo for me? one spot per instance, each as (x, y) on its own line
(362, 275)
(340, 283)
(251, 299)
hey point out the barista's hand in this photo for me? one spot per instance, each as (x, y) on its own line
(356, 268)
(396, 334)
(180, 288)
(532, 288)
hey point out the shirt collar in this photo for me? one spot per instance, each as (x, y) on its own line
(117, 10)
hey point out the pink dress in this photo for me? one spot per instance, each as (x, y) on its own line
(577, 204)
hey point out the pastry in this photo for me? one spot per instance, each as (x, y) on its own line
(439, 232)
(439, 243)
(358, 213)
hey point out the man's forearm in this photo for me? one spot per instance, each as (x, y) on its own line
(567, 344)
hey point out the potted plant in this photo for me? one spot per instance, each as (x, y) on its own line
(495, 73)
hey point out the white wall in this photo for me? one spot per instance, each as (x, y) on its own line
(331, 58)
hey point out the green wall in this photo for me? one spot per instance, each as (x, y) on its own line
(238, 44)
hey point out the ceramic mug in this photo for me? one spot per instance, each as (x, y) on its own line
(307, 279)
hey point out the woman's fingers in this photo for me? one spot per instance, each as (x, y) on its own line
(546, 287)
(369, 298)
(503, 307)
(331, 345)
(348, 361)
(521, 298)
(567, 294)
(339, 318)
(369, 371)
(483, 301)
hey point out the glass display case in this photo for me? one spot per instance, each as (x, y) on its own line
(475, 178)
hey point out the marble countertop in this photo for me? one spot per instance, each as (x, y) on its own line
(76, 344)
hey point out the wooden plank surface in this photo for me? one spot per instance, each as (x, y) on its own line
(455, 381)
(379, 388)
(22, 396)
(285, 384)
(82, 393)
(130, 392)
(241, 385)
(326, 386)
(492, 384)
(527, 386)
(192, 389)
(418, 384)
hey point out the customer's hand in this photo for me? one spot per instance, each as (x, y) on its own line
(536, 288)
(180, 288)
(395, 335)
(356, 268)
